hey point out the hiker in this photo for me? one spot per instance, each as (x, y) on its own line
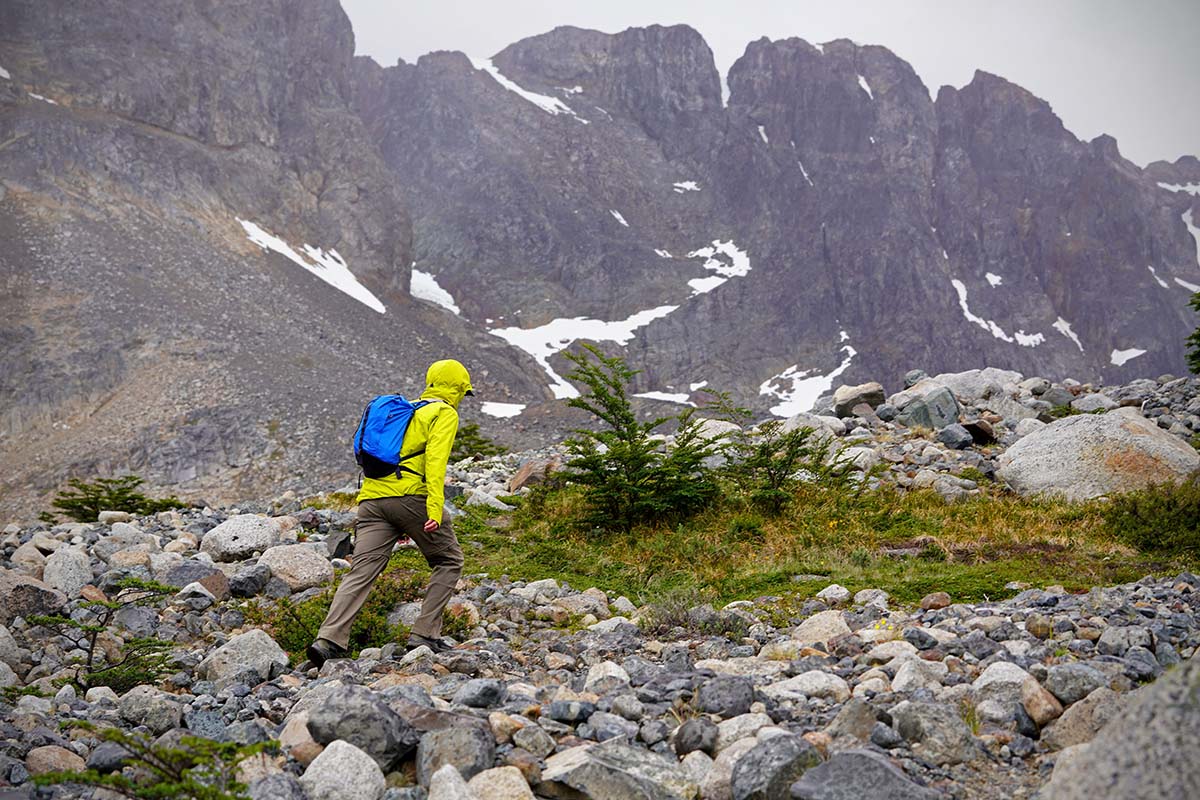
(406, 503)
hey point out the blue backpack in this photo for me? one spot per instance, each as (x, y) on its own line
(380, 435)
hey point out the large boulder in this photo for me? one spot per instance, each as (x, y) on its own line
(936, 730)
(976, 384)
(1149, 750)
(767, 771)
(242, 536)
(68, 570)
(847, 397)
(1081, 721)
(300, 566)
(1089, 455)
(612, 771)
(345, 772)
(253, 652)
(859, 774)
(821, 627)
(927, 404)
(359, 716)
(21, 596)
(470, 750)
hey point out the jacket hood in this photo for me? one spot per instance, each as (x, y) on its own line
(448, 381)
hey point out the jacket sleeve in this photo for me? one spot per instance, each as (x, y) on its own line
(437, 454)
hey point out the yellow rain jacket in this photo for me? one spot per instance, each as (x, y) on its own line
(433, 428)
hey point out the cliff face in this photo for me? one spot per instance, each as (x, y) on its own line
(148, 150)
(882, 229)
(212, 217)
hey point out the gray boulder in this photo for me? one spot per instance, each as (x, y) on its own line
(470, 750)
(771, 766)
(241, 537)
(976, 384)
(1089, 455)
(251, 652)
(21, 596)
(145, 705)
(280, 786)
(359, 716)
(847, 397)
(614, 771)
(928, 404)
(858, 774)
(68, 570)
(726, 696)
(1147, 751)
(1080, 722)
(300, 566)
(936, 730)
(1071, 683)
(345, 772)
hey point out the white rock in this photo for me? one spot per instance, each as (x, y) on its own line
(345, 772)
(916, 673)
(813, 683)
(834, 593)
(735, 729)
(298, 565)
(68, 569)
(604, 677)
(242, 536)
(821, 627)
(1090, 455)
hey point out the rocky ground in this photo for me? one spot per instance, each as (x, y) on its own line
(566, 692)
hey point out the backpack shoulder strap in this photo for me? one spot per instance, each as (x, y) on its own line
(400, 461)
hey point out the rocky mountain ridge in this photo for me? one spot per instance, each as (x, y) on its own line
(214, 221)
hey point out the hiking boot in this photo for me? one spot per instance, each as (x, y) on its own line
(416, 640)
(322, 650)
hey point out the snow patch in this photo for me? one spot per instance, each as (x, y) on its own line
(1193, 230)
(501, 410)
(992, 278)
(820, 48)
(4, 74)
(805, 388)
(735, 265)
(329, 267)
(697, 386)
(551, 105)
(681, 399)
(686, 186)
(663, 253)
(763, 133)
(1064, 327)
(571, 89)
(617, 216)
(800, 164)
(866, 87)
(1157, 279)
(425, 287)
(1190, 188)
(1022, 338)
(1191, 287)
(37, 96)
(544, 341)
(1119, 357)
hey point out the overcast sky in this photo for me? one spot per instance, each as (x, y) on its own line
(1129, 68)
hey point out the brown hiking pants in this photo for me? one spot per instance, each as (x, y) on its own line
(381, 522)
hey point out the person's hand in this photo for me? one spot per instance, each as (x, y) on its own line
(431, 525)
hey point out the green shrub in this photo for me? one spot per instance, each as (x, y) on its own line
(84, 501)
(1193, 341)
(143, 660)
(294, 625)
(768, 463)
(1164, 518)
(630, 477)
(195, 769)
(470, 442)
